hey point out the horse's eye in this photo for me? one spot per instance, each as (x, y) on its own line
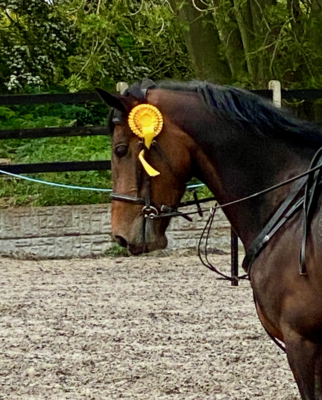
(121, 150)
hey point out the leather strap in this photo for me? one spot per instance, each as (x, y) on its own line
(126, 198)
(276, 221)
(310, 197)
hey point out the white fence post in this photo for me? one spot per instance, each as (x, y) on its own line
(275, 86)
(121, 87)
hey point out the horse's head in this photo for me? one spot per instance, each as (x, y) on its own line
(136, 192)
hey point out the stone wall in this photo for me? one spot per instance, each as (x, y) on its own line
(84, 231)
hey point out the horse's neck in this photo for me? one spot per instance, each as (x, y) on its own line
(234, 173)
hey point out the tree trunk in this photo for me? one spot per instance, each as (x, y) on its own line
(231, 39)
(203, 41)
(261, 30)
(316, 18)
(245, 23)
(315, 39)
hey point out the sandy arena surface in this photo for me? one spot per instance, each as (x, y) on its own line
(133, 328)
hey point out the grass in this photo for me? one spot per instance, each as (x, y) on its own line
(117, 251)
(16, 192)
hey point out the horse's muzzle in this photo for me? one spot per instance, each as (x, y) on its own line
(140, 248)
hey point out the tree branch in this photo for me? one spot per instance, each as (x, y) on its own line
(8, 15)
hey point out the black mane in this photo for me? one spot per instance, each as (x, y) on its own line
(245, 108)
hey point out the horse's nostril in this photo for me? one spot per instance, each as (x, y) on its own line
(121, 241)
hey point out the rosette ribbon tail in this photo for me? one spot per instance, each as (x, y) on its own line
(149, 170)
(148, 134)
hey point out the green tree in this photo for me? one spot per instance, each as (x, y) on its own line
(123, 40)
(203, 41)
(253, 41)
(35, 42)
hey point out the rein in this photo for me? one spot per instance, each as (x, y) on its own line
(312, 178)
(251, 196)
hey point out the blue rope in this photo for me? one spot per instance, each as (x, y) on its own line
(197, 185)
(27, 178)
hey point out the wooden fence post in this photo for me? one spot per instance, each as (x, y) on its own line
(121, 87)
(275, 86)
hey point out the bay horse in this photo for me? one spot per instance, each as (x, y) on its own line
(237, 144)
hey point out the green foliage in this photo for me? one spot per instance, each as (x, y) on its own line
(35, 42)
(73, 45)
(126, 41)
(117, 251)
(261, 40)
(18, 192)
(284, 41)
(82, 44)
(288, 46)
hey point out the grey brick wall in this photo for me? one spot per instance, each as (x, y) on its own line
(84, 231)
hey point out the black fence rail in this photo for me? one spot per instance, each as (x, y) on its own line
(68, 98)
(74, 98)
(53, 132)
(56, 167)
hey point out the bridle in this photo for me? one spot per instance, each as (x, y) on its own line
(150, 211)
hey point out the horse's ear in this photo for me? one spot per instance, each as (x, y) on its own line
(121, 103)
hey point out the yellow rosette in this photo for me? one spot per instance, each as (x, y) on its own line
(146, 122)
